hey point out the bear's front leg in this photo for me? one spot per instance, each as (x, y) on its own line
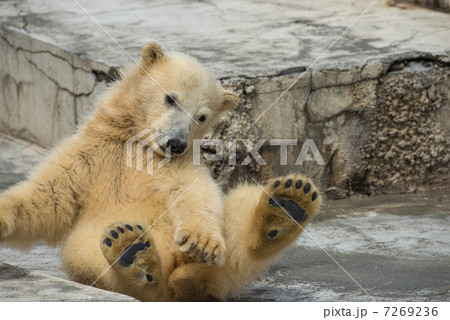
(43, 208)
(198, 219)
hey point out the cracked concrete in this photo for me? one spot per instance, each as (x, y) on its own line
(66, 91)
(393, 61)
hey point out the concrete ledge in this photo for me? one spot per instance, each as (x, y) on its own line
(17, 284)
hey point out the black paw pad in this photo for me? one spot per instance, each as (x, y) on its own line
(149, 278)
(307, 188)
(277, 183)
(129, 227)
(298, 184)
(121, 229)
(293, 209)
(139, 227)
(107, 242)
(273, 233)
(277, 203)
(127, 257)
(288, 183)
(314, 196)
(114, 234)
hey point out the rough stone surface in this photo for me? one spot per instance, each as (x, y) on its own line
(376, 103)
(397, 247)
(389, 133)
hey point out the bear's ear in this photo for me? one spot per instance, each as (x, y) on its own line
(151, 53)
(229, 100)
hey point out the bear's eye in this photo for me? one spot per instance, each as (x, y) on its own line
(170, 100)
(202, 119)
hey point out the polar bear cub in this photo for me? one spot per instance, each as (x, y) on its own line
(169, 236)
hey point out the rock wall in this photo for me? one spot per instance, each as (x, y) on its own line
(380, 126)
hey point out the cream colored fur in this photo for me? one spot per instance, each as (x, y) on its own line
(85, 187)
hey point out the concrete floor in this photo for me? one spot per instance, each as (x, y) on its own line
(397, 247)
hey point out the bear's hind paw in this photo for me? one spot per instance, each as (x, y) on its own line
(295, 195)
(131, 252)
(286, 206)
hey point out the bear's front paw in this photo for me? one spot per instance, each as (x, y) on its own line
(203, 246)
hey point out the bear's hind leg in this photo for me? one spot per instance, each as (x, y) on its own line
(259, 223)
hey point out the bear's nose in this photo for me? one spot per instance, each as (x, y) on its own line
(176, 146)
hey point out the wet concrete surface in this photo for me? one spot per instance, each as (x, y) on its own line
(385, 248)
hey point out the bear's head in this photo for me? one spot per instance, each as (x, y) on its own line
(179, 98)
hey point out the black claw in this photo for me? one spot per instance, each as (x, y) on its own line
(107, 242)
(121, 229)
(273, 233)
(114, 234)
(288, 183)
(149, 278)
(139, 227)
(277, 183)
(129, 227)
(298, 184)
(307, 188)
(314, 196)
(147, 244)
